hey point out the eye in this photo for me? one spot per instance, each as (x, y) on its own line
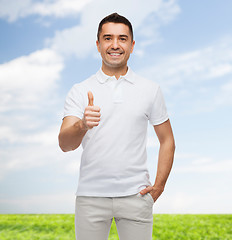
(107, 38)
(123, 39)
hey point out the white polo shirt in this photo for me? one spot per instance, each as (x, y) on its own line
(113, 161)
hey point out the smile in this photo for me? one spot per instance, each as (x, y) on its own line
(115, 54)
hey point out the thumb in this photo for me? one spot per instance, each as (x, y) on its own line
(90, 97)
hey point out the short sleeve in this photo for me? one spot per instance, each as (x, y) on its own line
(158, 112)
(74, 103)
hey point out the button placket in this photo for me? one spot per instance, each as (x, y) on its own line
(118, 92)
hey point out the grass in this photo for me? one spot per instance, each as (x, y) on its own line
(166, 227)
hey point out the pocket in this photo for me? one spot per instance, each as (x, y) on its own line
(151, 198)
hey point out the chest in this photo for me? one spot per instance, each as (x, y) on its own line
(124, 102)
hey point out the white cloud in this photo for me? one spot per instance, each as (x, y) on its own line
(195, 66)
(13, 10)
(224, 97)
(7, 134)
(48, 203)
(26, 80)
(203, 201)
(59, 8)
(152, 140)
(205, 73)
(80, 40)
(212, 167)
(188, 163)
(72, 165)
(28, 86)
(43, 137)
(197, 185)
(36, 149)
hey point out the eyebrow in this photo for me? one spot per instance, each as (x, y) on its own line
(110, 35)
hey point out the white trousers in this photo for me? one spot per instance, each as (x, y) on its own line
(133, 217)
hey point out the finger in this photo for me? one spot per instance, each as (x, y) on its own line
(92, 124)
(90, 97)
(146, 190)
(92, 114)
(92, 119)
(93, 109)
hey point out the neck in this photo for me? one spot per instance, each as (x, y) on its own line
(117, 72)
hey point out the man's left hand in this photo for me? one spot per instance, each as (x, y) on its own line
(154, 191)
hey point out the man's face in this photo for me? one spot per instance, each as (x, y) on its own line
(115, 45)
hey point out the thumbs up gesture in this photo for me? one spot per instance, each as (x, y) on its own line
(92, 113)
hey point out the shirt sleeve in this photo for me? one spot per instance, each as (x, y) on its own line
(158, 112)
(74, 103)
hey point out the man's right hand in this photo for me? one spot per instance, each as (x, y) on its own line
(92, 114)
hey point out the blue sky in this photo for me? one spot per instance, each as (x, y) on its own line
(47, 46)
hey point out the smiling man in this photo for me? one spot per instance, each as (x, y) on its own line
(108, 114)
(115, 43)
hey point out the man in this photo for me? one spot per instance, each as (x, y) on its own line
(108, 113)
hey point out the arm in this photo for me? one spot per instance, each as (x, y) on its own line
(71, 134)
(73, 129)
(165, 160)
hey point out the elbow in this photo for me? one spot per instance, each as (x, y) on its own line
(173, 146)
(169, 144)
(64, 146)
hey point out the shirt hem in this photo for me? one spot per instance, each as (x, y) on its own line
(72, 114)
(160, 121)
(88, 194)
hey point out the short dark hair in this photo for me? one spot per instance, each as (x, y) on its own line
(115, 18)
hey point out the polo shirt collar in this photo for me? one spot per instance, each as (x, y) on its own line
(102, 77)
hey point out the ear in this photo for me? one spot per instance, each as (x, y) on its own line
(98, 45)
(132, 47)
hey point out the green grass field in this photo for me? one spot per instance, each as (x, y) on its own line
(166, 226)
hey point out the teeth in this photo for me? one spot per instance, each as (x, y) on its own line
(114, 54)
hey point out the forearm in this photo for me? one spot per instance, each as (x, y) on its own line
(71, 137)
(165, 161)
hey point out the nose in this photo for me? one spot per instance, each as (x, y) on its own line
(115, 44)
